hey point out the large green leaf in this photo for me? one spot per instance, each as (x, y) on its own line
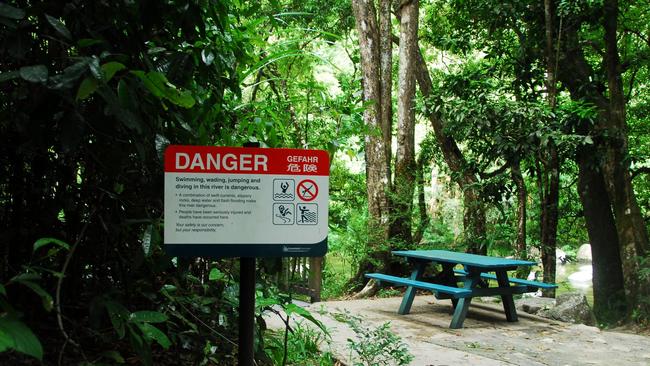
(216, 275)
(6, 342)
(158, 85)
(3, 291)
(25, 277)
(10, 12)
(114, 355)
(59, 26)
(148, 317)
(45, 241)
(14, 334)
(266, 302)
(150, 332)
(9, 75)
(95, 68)
(70, 74)
(110, 68)
(153, 88)
(295, 309)
(117, 313)
(46, 298)
(34, 74)
(86, 88)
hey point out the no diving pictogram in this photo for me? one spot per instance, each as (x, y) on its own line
(307, 190)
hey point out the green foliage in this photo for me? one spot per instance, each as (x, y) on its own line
(300, 344)
(389, 292)
(137, 327)
(348, 222)
(90, 95)
(375, 346)
(15, 335)
(304, 347)
(336, 275)
(640, 314)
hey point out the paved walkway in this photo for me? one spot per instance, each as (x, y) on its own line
(487, 339)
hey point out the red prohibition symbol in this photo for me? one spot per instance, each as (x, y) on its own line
(307, 190)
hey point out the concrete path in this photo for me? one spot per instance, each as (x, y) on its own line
(487, 339)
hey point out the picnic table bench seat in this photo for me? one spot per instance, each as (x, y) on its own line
(528, 283)
(453, 292)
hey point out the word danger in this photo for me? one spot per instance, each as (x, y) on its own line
(218, 162)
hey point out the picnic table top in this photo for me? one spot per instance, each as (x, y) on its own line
(474, 260)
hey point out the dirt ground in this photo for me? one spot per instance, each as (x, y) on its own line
(487, 338)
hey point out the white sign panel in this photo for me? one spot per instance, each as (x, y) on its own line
(231, 195)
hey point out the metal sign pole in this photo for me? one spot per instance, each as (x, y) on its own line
(246, 353)
(246, 311)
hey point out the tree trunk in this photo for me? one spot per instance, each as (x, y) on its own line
(608, 282)
(422, 205)
(550, 163)
(549, 25)
(386, 74)
(608, 276)
(474, 208)
(522, 195)
(402, 200)
(375, 149)
(474, 221)
(632, 234)
(549, 218)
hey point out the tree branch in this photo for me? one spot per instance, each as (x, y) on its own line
(495, 172)
(639, 171)
(638, 34)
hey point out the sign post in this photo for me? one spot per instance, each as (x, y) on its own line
(246, 202)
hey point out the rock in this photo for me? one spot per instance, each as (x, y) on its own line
(582, 278)
(584, 253)
(533, 304)
(571, 307)
(531, 309)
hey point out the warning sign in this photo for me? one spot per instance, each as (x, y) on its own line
(307, 190)
(283, 214)
(248, 197)
(307, 214)
(283, 190)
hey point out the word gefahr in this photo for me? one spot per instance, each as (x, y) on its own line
(217, 162)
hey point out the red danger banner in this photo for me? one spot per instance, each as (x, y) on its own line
(238, 160)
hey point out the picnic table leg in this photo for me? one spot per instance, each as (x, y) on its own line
(409, 295)
(448, 278)
(460, 312)
(508, 302)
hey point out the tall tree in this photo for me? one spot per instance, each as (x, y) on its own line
(405, 158)
(632, 232)
(616, 241)
(550, 168)
(375, 146)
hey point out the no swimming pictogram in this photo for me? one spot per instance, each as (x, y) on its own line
(307, 190)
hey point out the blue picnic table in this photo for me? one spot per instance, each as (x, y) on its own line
(475, 273)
